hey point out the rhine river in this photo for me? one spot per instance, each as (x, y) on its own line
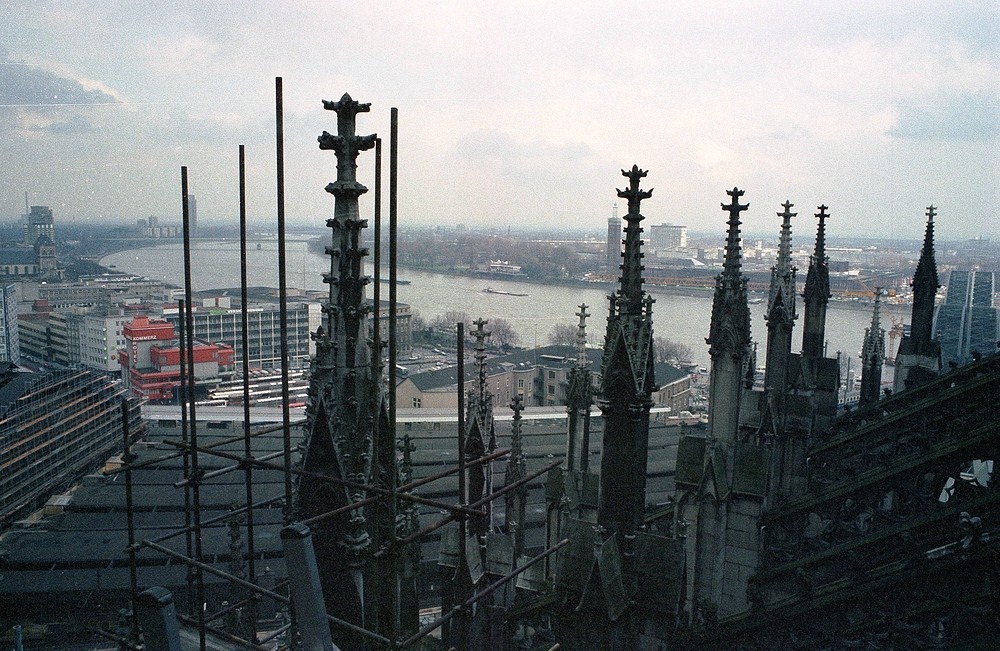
(682, 318)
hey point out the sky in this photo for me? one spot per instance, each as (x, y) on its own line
(518, 114)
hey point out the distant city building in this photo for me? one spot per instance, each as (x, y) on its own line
(53, 426)
(218, 321)
(39, 224)
(73, 335)
(33, 332)
(99, 338)
(538, 376)
(150, 227)
(613, 251)
(667, 236)
(151, 360)
(967, 321)
(106, 289)
(193, 213)
(10, 347)
(18, 261)
(504, 268)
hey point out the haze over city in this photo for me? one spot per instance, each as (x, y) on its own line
(515, 113)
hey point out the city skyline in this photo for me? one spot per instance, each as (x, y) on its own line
(876, 111)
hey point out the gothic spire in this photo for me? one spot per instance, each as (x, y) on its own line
(781, 314)
(872, 356)
(627, 380)
(581, 338)
(579, 398)
(730, 328)
(345, 396)
(817, 293)
(631, 293)
(925, 285)
(517, 468)
(483, 396)
(729, 333)
(785, 244)
(781, 298)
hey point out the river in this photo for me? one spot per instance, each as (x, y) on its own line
(682, 318)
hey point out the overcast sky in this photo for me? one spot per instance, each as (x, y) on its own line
(513, 113)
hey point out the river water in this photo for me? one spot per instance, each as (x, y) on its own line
(682, 318)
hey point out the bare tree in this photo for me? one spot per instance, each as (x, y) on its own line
(502, 334)
(417, 322)
(670, 351)
(446, 322)
(563, 334)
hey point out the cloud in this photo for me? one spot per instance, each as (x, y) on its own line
(33, 98)
(965, 117)
(76, 124)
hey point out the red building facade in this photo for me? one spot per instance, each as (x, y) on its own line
(151, 360)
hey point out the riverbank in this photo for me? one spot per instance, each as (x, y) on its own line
(307, 278)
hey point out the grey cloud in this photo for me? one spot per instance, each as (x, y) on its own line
(74, 125)
(28, 89)
(23, 85)
(968, 117)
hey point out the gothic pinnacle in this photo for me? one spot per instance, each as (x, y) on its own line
(731, 267)
(926, 271)
(581, 337)
(631, 291)
(820, 251)
(784, 262)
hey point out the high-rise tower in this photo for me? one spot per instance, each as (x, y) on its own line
(38, 224)
(193, 213)
(613, 251)
(345, 396)
(627, 381)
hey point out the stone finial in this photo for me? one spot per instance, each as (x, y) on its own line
(581, 337)
(731, 266)
(925, 277)
(784, 262)
(820, 251)
(633, 193)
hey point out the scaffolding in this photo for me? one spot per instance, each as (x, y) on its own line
(153, 612)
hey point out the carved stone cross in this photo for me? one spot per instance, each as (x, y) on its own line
(346, 143)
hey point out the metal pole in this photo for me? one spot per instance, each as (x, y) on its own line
(130, 519)
(214, 444)
(186, 438)
(377, 268)
(245, 341)
(459, 577)
(283, 293)
(342, 482)
(259, 590)
(490, 589)
(195, 470)
(393, 348)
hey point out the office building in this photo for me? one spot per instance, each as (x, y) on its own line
(54, 425)
(10, 347)
(151, 361)
(667, 236)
